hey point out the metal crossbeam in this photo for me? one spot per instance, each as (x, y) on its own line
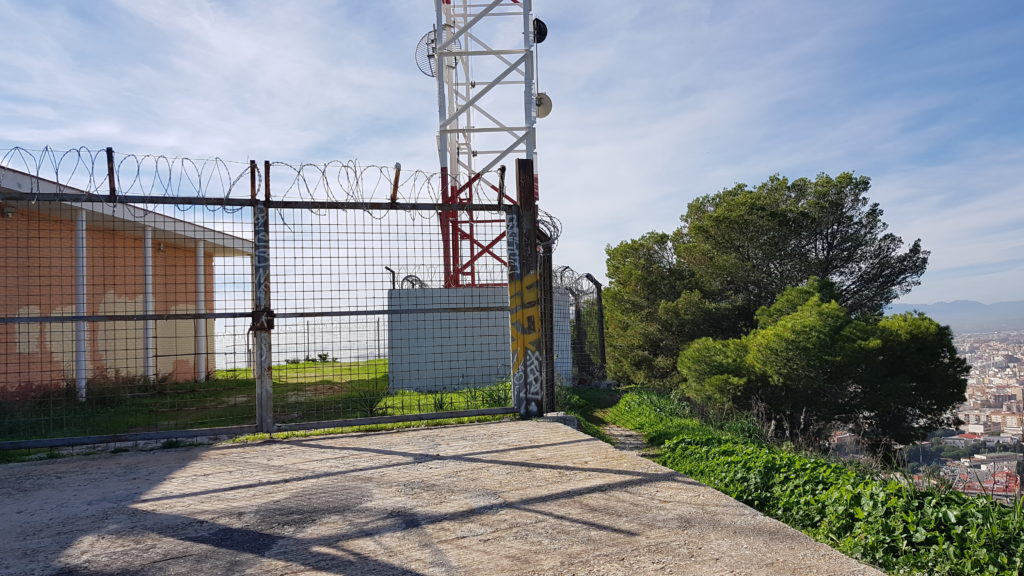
(486, 107)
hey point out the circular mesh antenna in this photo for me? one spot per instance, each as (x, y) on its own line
(426, 53)
(413, 281)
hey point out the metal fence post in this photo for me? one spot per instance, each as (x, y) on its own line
(263, 315)
(600, 324)
(524, 297)
(547, 311)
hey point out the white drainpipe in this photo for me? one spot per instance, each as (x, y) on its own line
(81, 345)
(201, 366)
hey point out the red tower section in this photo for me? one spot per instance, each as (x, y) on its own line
(482, 54)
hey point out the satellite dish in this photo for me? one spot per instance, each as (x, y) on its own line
(543, 105)
(413, 281)
(540, 30)
(426, 53)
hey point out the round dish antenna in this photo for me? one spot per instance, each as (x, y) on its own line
(543, 105)
(540, 30)
(413, 281)
(426, 53)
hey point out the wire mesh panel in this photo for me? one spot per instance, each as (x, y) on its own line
(579, 328)
(364, 327)
(137, 303)
(112, 319)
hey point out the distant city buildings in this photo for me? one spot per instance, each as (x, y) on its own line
(992, 415)
(995, 388)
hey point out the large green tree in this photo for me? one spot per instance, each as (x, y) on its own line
(811, 366)
(911, 384)
(652, 309)
(734, 253)
(645, 275)
(753, 243)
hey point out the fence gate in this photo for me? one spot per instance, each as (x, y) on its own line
(364, 330)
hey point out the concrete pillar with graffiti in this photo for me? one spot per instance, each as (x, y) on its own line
(263, 314)
(524, 297)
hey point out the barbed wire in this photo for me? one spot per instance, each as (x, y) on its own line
(152, 175)
(579, 284)
(87, 170)
(552, 228)
(417, 276)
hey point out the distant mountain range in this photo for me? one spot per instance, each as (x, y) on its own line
(966, 316)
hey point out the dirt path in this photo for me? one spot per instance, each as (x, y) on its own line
(625, 439)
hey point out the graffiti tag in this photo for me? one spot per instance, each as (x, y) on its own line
(527, 372)
(512, 226)
(261, 262)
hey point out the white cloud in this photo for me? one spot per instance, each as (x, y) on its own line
(202, 79)
(654, 104)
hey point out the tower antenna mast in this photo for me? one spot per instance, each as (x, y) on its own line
(482, 54)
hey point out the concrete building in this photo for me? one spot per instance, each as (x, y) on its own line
(987, 428)
(454, 338)
(440, 339)
(996, 461)
(101, 260)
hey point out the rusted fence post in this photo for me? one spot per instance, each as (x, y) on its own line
(263, 314)
(547, 311)
(524, 297)
(111, 183)
(600, 324)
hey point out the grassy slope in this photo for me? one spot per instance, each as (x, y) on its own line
(588, 406)
(883, 522)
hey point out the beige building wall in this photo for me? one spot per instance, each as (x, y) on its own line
(37, 278)
(115, 285)
(175, 286)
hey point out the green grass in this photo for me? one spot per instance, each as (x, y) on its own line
(303, 392)
(588, 405)
(305, 372)
(856, 510)
(123, 406)
(408, 402)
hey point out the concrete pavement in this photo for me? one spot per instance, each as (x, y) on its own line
(518, 497)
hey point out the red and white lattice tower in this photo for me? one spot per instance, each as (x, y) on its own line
(487, 109)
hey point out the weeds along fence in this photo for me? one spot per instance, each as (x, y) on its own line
(148, 298)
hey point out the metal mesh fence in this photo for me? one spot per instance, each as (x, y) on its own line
(147, 297)
(356, 336)
(112, 315)
(133, 315)
(579, 328)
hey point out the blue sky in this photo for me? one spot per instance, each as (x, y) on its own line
(655, 103)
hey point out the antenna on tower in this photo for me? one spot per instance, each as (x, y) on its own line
(484, 61)
(426, 54)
